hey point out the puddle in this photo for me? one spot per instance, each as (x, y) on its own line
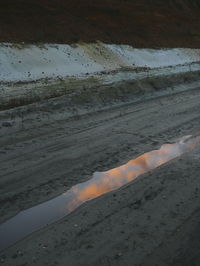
(33, 219)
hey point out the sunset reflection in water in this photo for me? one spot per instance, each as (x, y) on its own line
(103, 182)
(38, 216)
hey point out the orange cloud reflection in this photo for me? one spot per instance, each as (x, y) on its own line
(103, 182)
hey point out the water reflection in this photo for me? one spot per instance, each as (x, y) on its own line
(48, 212)
(103, 182)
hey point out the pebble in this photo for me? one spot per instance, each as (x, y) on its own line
(20, 253)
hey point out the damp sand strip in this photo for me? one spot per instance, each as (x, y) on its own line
(35, 218)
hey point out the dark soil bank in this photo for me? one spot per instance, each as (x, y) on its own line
(141, 23)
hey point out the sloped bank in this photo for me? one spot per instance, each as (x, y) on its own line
(90, 73)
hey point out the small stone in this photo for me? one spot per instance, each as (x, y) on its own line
(76, 225)
(118, 255)
(20, 253)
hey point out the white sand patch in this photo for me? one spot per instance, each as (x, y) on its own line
(154, 58)
(33, 62)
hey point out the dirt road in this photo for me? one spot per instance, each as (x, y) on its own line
(43, 153)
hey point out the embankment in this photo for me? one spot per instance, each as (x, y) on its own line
(90, 73)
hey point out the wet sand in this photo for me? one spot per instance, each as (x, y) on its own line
(153, 220)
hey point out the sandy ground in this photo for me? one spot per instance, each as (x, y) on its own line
(152, 221)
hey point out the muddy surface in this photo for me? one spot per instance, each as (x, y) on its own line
(33, 219)
(141, 23)
(46, 148)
